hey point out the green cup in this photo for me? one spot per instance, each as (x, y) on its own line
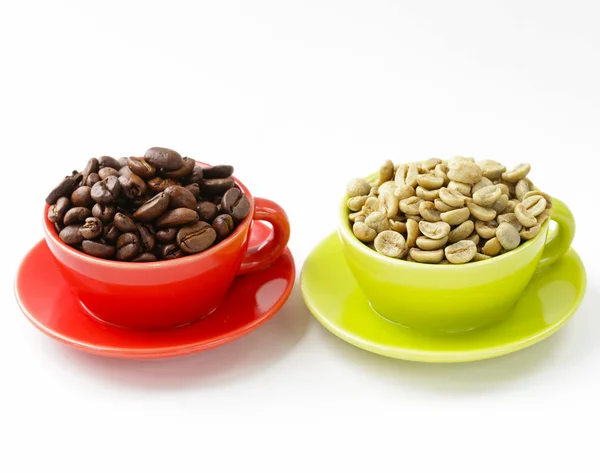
(453, 298)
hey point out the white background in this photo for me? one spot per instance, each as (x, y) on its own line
(299, 96)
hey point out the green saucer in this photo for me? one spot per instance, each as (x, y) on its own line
(332, 295)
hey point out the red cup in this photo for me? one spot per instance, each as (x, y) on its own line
(168, 294)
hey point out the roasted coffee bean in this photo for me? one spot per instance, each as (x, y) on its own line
(237, 204)
(152, 208)
(76, 215)
(176, 218)
(196, 238)
(128, 246)
(64, 189)
(196, 176)
(98, 249)
(125, 223)
(82, 197)
(167, 235)
(108, 162)
(180, 197)
(223, 225)
(217, 187)
(164, 158)
(133, 186)
(158, 184)
(70, 235)
(91, 229)
(105, 212)
(56, 212)
(105, 172)
(185, 170)
(111, 233)
(92, 167)
(145, 258)
(194, 189)
(141, 167)
(217, 172)
(107, 190)
(122, 208)
(207, 211)
(147, 238)
(170, 251)
(125, 171)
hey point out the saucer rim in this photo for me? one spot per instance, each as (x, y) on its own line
(158, 352)
(439, 356)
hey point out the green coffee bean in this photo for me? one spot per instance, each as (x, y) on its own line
(461, 232)
(434, 230)
(491, 169)
(422, 256)
(390, 243)
(464, 189)
(412, 233)
(500, 205)
(429, 212)
(529, 233)
(487, 229)
(508, 236)
(410, 206)
(427, 194)
(452, 198)
(386, 172)
(524, 217)
(535, 204)
(461, 252)
(429, 181)
(492, 247)
(356, 187)
(378, 221)
(456, 216)
(363, 232)
(356, 203)
(485, 182)
(428, 244)
(442, 206)
(466, 172)
(486, 196)
(389, 203)
(481, 213)
(518, 173)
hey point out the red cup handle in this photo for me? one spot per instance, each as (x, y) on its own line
(264, 254)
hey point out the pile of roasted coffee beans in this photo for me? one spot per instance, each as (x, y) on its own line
(142, 209)
(447, 212)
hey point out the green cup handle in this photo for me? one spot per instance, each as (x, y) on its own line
(559, 240)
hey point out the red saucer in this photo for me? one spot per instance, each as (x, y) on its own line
(47, 302)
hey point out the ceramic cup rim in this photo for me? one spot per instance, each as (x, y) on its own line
(345, 230)
(50, 232)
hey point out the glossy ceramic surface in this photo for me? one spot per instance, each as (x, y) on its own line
(44, 296)
(333, 296)
(168, 294)
(453, 297)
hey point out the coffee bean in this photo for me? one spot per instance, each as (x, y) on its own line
(428, 244)
(70, 235)
(363, 232)
(98, 249)
(223, 225)
(92, 167)
(91, 229)
(424, 256)
(128, 246)
(158, 184)
(217, 172)
(105, 212)
(125, 223)
(217, 187)
(147, 238)
(64, 189)
(236, 204)
(111, 233)
(76, 215)
(141, 167)
(123, 161)
(207, 211)
(508, 236)
(107, 190)
(196, 238)
(434, 230)
(132, 185)
(56, 212)
(461, 252)
(177, 218)
(152, 208)
(185, 170)
(170, 251)
(196, 176)
(82, 197)
(105, 172)
(390, 243)
(194, 189)
(125, 171)
(145, 258)
(167, 235)
(180, 197)
(164, 158)
(92, 179)
(108, 162)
